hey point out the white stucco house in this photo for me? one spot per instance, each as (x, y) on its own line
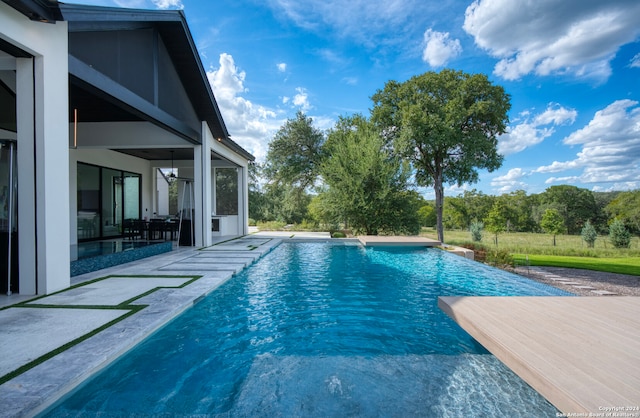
(93, 101)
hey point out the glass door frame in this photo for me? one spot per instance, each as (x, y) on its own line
(116, 204)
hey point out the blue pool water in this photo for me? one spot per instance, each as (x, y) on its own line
(322, 330)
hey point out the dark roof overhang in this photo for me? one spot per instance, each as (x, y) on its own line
(46, 11)
(172, 27)
(103, 88)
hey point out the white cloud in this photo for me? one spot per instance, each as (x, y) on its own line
(168, 4)
(616, 187)
(610, 147)
(562, 180)
(439, 49)
(454, 189)
(251, 126)
(532, 131)
(635, 61)
(130, 4)
(363, 21)
(549, 37)
(302, 99)
(510, 181)
(557, 167)
(352, 81)
(139, 4)
(282, 67)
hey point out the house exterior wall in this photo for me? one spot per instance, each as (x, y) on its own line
(43, 198)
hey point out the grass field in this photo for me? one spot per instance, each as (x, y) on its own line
(570, 250)
(628, 265)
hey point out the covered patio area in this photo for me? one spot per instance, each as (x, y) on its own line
(143, 130)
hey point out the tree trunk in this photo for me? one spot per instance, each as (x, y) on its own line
(437, 186)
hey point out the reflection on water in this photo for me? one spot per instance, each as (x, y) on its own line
(100, 248)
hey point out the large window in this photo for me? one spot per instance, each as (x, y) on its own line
(105, 198)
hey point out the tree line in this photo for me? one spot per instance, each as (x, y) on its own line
(563, 209)
(431, 130)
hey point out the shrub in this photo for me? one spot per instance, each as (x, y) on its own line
(500, 258)
(252, 222)
(479, 251)
(271, 225)
(589, 234)
(307, 225)
(476, 231)
(618, 234)
(338, 234)
(492, 256)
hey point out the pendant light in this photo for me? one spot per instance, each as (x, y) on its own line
(172, 175)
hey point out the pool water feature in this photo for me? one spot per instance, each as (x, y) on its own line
(322, 330)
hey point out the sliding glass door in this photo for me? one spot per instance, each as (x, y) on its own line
(105, 198)
(8, 218)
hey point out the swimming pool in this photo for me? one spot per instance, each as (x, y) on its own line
(322, 330)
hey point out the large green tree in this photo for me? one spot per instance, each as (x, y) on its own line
(552, 223)
(519, 213)
(366, 183)
(575, 205)
(295, 153)
(626, 207)
(462, 210)
(446, 124)
(258, 205)
(496, 220)
(292, 167)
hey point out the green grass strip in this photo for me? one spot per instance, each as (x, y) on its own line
(126, 305)
(51, 354)
(628, 265)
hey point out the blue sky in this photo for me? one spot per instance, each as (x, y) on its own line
(572, 68)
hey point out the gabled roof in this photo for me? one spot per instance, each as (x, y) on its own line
(172, 27)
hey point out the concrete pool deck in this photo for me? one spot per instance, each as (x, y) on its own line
(581, 353)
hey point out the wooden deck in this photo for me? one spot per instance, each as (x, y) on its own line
(380, 240)
(581, 353)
